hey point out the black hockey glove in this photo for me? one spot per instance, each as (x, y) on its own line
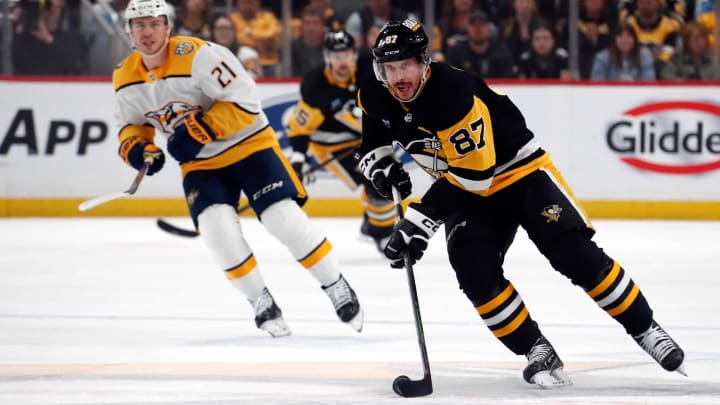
(189, 137)
(393, 176)
(302, 168)
(384, 171)
(141, 150)
(411, 235)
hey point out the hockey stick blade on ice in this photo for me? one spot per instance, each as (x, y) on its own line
(187, 233)
(170, 228)
(97, 201)
(403, 385)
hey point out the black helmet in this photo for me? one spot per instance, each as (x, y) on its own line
(401, 40)
(338, 41)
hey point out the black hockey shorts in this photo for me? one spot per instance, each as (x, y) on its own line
(479, 237)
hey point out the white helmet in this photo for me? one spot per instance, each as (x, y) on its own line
(148, 8)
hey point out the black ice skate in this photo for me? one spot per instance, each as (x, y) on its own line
(660, 346)
(545, 369)
(345, 302)
(268, 316)
(377, 235)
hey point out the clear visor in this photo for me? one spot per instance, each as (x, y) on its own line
(406, 68)
(379, 72)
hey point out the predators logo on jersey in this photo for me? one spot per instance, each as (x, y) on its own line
(170, 114)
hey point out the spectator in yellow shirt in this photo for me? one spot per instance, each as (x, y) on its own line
(259, 29)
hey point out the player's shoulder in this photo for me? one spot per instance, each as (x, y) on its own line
(372, 95)
(314, 80)
(448, 79)
(183, 52)
(127, 72)
(449, 93)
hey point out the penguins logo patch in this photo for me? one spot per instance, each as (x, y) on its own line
(552, 212)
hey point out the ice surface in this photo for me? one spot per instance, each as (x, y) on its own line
(114, 311)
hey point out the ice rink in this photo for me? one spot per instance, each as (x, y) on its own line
(115, 311)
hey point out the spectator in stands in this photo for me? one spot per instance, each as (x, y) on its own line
(705, 15)
(103, 28)
(454, 22)
(365, 52)
(193, 18)
(694, 62)
(46, 42)
(555, 12)
(594, 32)
(624, 59)
(332, 21)
(376, 12)
(515, 30)
(656, 29)
(677, 8)
(223, 32)
(544, 60)
(481, 54)
(307, 51)
(261, 30)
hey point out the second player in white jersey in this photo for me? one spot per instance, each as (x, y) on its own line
(198, 95)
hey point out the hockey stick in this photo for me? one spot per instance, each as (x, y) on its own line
(175, 230)
(403, 385)
(94, 202)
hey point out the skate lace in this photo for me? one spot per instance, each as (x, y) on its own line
(339, 293)
(657, 343)
(539, 353)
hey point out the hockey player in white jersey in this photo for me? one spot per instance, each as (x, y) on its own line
(198, 95)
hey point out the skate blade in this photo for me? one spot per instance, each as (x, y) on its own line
(357, 321)
(551, 379)
(681, 369)
(276, 327)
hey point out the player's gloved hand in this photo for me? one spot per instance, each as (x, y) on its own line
(302, 168)
(384, 171)
(189, 137)
(142, 150)
(411, 235)
(393, 176)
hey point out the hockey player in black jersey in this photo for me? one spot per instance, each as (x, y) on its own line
(492, 176)
(326, 123)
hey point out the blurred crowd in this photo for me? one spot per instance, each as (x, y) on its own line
(616, 39)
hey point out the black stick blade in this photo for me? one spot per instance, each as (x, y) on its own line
(170, 228)
(405, 387)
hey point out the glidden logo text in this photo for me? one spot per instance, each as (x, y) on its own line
(672, 137)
